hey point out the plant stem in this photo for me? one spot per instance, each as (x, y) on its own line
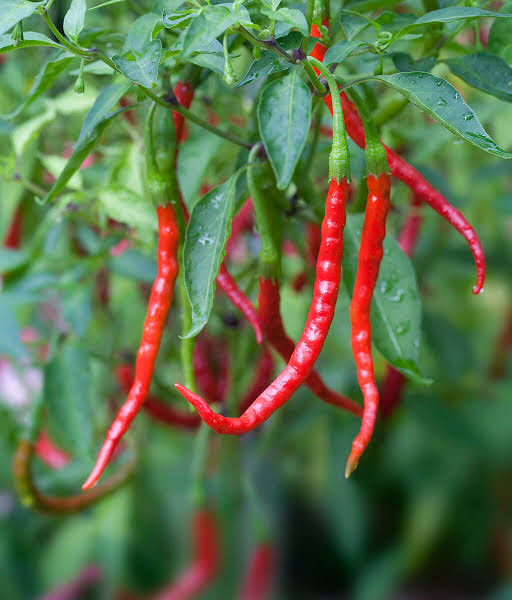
(71, 47)
(270, 45)
(317, 84)
(197, 120)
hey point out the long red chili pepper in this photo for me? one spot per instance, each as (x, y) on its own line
(205, 563)
(158, 307)
(269, 312)
(325, 294)
(394, 380)
(154, 407)
(260, 573)
(319, 319)
(413, 179)
(370, 256)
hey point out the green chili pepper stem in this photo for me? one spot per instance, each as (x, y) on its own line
(320, 11)
(376, 159)
(339, 158)
(186, 344)
(155, 180)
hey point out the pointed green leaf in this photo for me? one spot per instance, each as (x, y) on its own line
(284, 117)
(141, 34)
(292, 16)
(74, 19)
(67, 396)
(268, 63)
(339, 52)
(94, 123)
(205, 240)
(31, 38)
(143, 70)
(12, 11)
(48, 73)
(484, 71)
(443, 103)
(396, 306)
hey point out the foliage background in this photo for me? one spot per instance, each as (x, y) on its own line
(427, 515)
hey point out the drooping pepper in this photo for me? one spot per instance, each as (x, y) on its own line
(322, 308)
(258, 580)
(158, 306)
(415, 181)
(371, 252)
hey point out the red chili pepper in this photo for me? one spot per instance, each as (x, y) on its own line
(269, 312)
(158, 307)
(260, 573)
(261, 380)
(239, 300)
(205, 563)
(13, 236)
(128, 115)
(319, 319)
(370, 256)
(184, 94)
(47, 451)
(154, 407)
(417, 184)
(394, 380)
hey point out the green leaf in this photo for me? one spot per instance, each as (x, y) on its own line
(12, 11)
(67, 396)
(212, 22)
(284, 117)
(28, 130)
(456, 13)
(93, 126)
(211, 57)
(405, 62)
(500, 36)
(352, 23)
(125, 206)
(77, 308)
(74, 19)
(141, 34)
(143, 70)
(339, 52)
(396, 306)
(205, 240)
(443, 103)
(104, 103)
(484, 71)
(11, 259)
(134, 265)
(31, 38)
(48, 73)
(10, 342)
(269, 63)
(54, 164)
(292, 16)
(177, 17)
(194, 157)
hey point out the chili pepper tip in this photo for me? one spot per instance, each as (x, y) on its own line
(351, 465)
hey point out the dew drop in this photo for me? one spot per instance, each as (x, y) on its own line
(398, 297)
(385, 286)
(439, 83)
(441, 101)
(467, 116)
(403, 327)
(205, 240)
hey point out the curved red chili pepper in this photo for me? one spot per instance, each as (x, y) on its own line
(158, 307)
(319, 319)
(205, 563)
(370, 256)
(418, 185)
(239, 300)
(184, 93)
(260, 573)
(269, 312)
(47, 451)
(154, 407)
